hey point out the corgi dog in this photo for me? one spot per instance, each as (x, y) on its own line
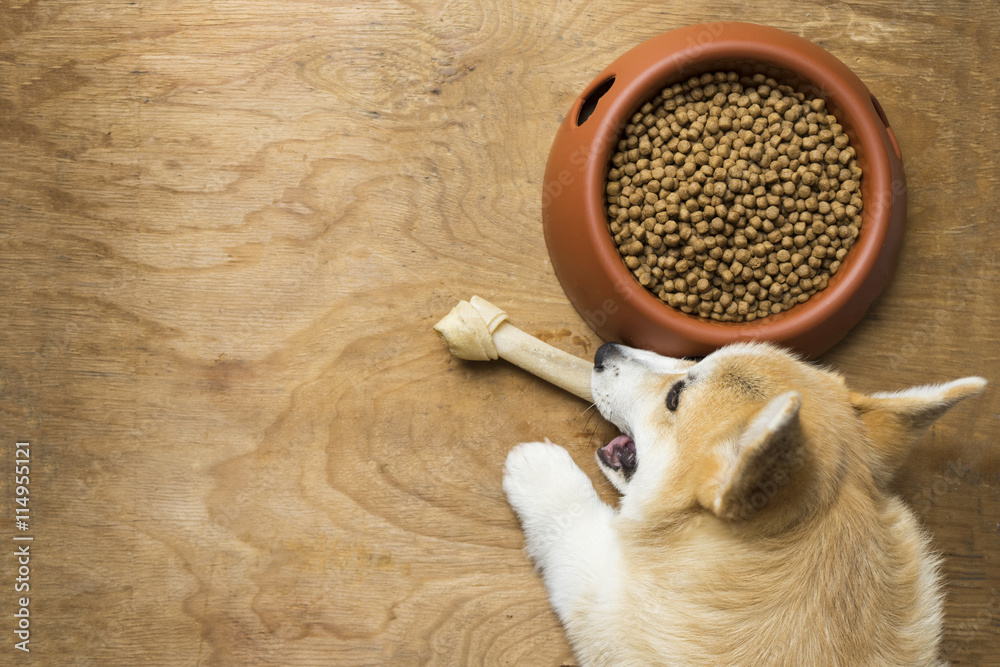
(755, 525)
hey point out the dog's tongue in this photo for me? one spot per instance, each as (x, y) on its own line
(619, 453)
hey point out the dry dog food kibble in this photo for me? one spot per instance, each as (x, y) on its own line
(733, 198)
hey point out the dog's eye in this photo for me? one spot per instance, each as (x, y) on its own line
(674, 395)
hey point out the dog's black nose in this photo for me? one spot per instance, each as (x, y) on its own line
(603, 352)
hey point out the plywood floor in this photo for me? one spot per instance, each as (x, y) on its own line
(226, 229)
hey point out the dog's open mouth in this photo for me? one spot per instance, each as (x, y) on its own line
(619, 454)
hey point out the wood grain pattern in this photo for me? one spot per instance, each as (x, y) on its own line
(226, 229)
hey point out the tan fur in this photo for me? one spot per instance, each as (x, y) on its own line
(771, 538)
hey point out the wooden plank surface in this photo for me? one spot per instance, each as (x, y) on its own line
(226, 229)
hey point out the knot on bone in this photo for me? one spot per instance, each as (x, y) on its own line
(468, 329)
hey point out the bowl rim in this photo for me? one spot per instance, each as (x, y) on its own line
(757, 45)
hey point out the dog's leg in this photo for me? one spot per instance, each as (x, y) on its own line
(568, 530)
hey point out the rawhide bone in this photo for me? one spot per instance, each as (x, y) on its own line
(477, 330)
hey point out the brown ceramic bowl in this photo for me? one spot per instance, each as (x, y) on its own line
(584, 256)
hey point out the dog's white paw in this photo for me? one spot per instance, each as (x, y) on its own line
(542, 482)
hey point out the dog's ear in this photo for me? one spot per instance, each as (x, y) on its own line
(895, 420)
(765, 455)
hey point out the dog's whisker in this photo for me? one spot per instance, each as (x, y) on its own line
(586, 426)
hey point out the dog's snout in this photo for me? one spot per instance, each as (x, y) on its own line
(605, 352)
